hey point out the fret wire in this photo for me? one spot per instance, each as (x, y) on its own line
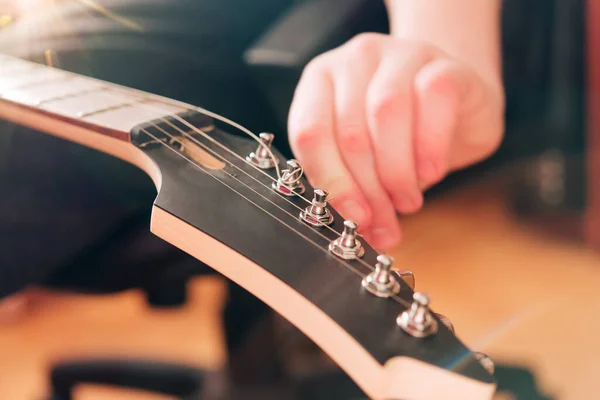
(34, 83)
(109, 108)
(343, 262)
(67, 96)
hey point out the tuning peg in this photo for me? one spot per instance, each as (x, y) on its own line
(446, 321)
(381, 282)
(317, 214)
(290, 184)
(486, 362)
(347, 246)
(417, 321)
(261, 157)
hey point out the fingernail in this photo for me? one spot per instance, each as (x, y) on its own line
(350, 209)
(384, 238)
(427, 170)
(409, 203)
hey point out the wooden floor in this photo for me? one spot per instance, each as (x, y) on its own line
(525, 297)
(60, 325)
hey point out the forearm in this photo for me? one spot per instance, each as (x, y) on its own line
(466, 29)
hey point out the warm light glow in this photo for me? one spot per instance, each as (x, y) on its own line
(30, 5)
(109, 14)
(5, 19)
(51, 58)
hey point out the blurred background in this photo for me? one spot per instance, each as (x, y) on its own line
(515, 265)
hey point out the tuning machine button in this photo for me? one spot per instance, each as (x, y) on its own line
(317, 214)
(382, 282)
(290, 183)
(261, 157)
(418, 321)
(347, 246)
(486, 362)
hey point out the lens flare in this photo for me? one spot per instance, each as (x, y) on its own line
(109, 14)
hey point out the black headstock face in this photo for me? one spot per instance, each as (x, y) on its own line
(235, 203)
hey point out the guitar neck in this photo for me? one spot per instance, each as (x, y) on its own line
(29, 91)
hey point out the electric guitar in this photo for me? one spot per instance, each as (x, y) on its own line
(234, 203)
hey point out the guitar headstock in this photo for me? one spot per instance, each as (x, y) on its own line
(234, 202)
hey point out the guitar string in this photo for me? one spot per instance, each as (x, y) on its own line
(186, 107)
(343, 262)
(283, 197)
(360, 261)
(196, 141)
(364, 263)
(235, 125)
(173, 138)
(204, 134)
(211, 139)
(208, 137)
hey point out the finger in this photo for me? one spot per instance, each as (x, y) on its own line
(311, 133)
(351, 80)
(437, 89)
(390, 110)
(481, 128)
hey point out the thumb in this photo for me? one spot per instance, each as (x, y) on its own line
(459, 121)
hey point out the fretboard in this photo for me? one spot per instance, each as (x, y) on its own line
(79, 99)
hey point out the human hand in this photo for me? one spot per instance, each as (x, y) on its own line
(379, 119)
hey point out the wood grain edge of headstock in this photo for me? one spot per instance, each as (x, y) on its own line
(400, 378)
(418, 380)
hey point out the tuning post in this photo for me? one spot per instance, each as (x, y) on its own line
(486, 362)
(261, 157)
(178, 145)
(290, 184)
(382, 282)
(347, 246)
(317, 214)
(418, 320)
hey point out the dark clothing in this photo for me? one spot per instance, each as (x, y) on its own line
(74, 217)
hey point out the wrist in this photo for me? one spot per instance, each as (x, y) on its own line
(466, 30)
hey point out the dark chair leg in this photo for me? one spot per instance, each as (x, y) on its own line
(250, 341)
(170, 379)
